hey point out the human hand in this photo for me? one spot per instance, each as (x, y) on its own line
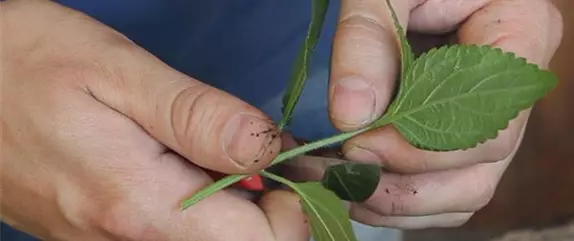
(97, 134)
(423, 188)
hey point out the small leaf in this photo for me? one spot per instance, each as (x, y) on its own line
(329, 219)
(352, 181)
(301, 65)
(456, 97)
(407, 56)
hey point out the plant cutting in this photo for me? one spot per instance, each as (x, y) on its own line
(449, 98)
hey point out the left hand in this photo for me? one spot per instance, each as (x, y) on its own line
(423, 188)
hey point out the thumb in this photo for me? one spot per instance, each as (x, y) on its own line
(365, 61)
(209, 127)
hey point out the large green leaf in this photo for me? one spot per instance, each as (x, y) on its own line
(456, 97)
(352, 181)
(328, 218)
(303, 61)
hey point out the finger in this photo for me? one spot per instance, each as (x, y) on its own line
(458, 190)
(446, 220)
(209, 127)
(387, 147)
(438, 16)
(285, 216)
(365, 60)
(455, 190)
(149, 209)
(532, 29)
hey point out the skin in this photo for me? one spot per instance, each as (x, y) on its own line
(89, 122)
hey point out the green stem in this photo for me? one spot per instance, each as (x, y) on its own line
(314, 145)
(278, 179)
(231, 179)
(211, 189)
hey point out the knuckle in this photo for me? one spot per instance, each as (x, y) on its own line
(360, 22)
(388, 206)
(363, 28)
(483, 192)
(71, 73)
(188, 113)
(397, 207)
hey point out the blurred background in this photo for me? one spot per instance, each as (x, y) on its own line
(535, 199)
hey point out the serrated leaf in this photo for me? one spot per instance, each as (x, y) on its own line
(328, 218)
(352, 181)
(407, 56)
(301, 65)
(456, 97)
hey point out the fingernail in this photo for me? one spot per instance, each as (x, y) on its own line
(354, 102)
(363, 155)
(247, 137)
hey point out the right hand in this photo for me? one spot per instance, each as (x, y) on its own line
(91, 125)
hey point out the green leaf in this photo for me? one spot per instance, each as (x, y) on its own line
(303, 61)
(456, 97)
(407, 56)
(328, 218)
(352, 181)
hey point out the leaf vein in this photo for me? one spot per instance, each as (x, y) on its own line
(344, 186)
(424, 126)
(462, 96)
(327, 211)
